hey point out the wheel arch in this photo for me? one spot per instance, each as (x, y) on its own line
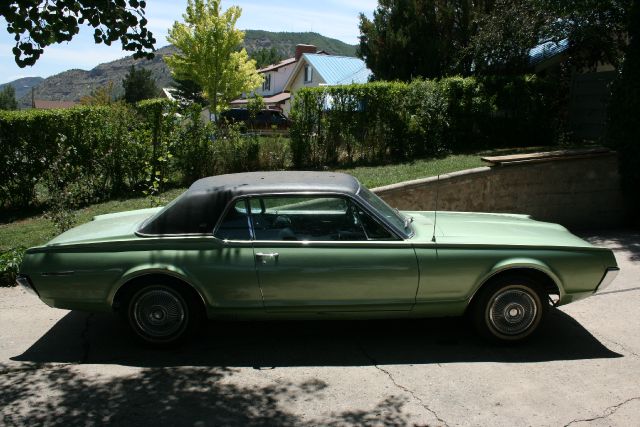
(536, 270)
(133, 279)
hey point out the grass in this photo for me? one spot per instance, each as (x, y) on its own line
(35, 229)
(377, 176)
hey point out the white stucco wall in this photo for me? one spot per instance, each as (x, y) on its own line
(278, 78)
(298, 83)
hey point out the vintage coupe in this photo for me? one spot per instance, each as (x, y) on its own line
(274, 245)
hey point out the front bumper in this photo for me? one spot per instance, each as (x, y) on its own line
(609, 275)
(26, 284)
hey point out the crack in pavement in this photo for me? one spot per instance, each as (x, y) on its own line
(633, 353)
(401, 387)
(617, 292)
(607, 412)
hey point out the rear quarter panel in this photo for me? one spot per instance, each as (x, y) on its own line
(87, 277)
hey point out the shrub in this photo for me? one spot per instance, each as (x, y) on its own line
(275, 153)
(233, 152)
(9, 264)
(98, 145)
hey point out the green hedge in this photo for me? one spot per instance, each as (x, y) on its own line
(391, 121)
(66, 158)
(97, 148)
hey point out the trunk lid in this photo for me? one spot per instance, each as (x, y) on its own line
(104, 228)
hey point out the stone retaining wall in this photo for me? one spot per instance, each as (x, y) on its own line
(576, 192)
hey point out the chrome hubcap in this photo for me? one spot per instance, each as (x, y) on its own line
(159, 312)
(512, 311)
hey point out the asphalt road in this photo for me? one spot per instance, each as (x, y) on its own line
(70, 368)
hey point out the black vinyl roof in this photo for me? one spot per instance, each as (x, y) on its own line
(198, 209)
(278, 182)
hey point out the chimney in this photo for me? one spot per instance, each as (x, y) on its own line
(304, 48)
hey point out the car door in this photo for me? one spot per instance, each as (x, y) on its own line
(314, 253)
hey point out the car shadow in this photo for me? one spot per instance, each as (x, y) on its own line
(627, 240)
(105, 339)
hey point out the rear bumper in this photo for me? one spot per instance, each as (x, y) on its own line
(609, 275)
(26, 284)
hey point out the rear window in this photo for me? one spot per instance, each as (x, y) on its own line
(190, 213)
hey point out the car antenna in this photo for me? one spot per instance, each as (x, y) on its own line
(435, 213)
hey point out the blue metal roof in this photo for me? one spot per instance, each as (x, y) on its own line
(547, 50)
(339, 70)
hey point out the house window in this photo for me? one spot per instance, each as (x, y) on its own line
(308, 74)
(266, 85)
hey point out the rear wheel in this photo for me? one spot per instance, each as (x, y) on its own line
(162, 313)
(510, 309)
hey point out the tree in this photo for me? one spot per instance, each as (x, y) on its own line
(139, 84)
(624, 110)
(436, 38)
(417, 38)
(266, 56)
(36, 25)
(505, 34)
(102, 95)
(8, 98)
(595, 30)
(208, 52)
(190, 90)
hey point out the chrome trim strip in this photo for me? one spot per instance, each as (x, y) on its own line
(58, 273)
(609, 276)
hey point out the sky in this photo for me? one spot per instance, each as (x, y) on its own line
(332, 18)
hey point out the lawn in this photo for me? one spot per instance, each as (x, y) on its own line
(36, 230)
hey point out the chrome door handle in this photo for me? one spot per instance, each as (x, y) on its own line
(263, 256)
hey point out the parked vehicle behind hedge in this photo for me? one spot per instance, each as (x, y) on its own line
(262, 120)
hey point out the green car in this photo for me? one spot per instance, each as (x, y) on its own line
(312, 245)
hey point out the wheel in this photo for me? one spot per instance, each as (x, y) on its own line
(161, 313)
(510, 309)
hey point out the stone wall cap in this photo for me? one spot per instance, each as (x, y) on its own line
(547, 156)
(431, 179)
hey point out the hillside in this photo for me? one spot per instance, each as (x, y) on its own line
(74, 84)
(286, 43)
(23, 86)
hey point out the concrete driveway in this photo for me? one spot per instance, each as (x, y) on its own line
(70, 368)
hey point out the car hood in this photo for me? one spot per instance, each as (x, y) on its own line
(110, 227)
(492, 229)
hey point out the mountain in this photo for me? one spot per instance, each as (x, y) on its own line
(23, 86)
(74, 84)
(286, 43)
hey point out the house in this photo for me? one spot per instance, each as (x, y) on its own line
(313, 70)
(42, 104)
(275, 77)
(308, 68)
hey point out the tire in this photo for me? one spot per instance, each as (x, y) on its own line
(162, 313)
(510, 309)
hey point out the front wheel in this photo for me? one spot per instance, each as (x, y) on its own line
(161, 314)
(510, 309)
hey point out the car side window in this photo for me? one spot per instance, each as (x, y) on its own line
(292, 218)
(235, 225)
(373, 229)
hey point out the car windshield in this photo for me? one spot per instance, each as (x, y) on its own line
(392, 215)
